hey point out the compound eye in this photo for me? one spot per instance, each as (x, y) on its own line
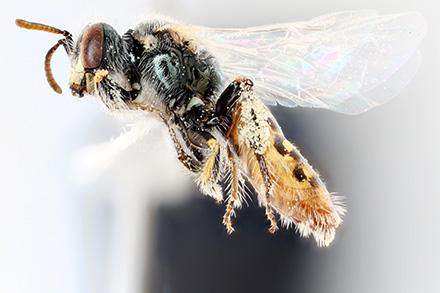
(92, 46)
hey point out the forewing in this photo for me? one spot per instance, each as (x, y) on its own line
(348, 62)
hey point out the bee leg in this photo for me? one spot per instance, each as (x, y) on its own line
(187, 160)
(231, 94)
(268, 184)
(234, 194)
(224, 109)
(209, 175)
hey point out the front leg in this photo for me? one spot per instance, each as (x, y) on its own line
(188, 161)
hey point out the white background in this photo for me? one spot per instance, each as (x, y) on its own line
(57, 237)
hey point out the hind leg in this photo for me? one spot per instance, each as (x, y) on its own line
(231, 95)
(237, 90)
(268, 184)
(234, 195)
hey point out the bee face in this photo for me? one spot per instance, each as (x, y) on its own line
(99, 51)
(88, 58)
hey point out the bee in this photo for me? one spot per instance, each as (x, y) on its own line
(212, 88)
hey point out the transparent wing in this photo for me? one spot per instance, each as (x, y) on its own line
(348, 62)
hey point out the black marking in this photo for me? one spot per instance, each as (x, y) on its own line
(314, 182)
(279, 146)
(254, 117)
(298, 172)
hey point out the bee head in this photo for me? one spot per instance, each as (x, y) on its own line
(87, 57)
(98, 52)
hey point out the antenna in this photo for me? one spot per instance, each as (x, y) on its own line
(66, 42)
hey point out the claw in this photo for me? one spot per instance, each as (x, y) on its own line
(273, 221)
(227, 221)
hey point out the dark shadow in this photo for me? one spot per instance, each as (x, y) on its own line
(192, 252)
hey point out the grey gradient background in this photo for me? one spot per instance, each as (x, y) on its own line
(140, 228)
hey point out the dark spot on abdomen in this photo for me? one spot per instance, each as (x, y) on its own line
(298, 172)
(279, 145)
